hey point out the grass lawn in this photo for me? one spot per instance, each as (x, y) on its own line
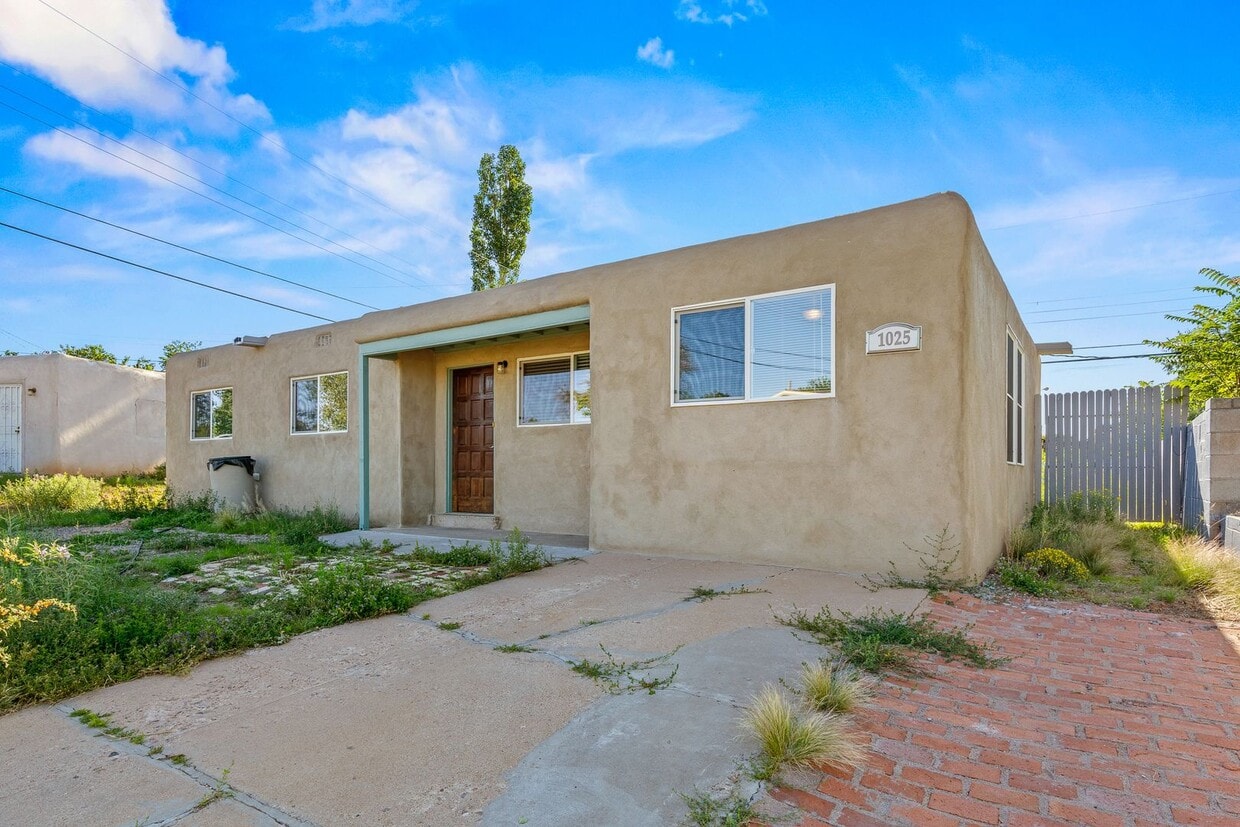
(158, 587)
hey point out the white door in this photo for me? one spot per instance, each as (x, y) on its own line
(10, 428)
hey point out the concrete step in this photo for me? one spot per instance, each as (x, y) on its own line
(461, 520)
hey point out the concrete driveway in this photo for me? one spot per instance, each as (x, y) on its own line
(398, 721)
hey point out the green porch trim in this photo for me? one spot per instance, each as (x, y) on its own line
(363, 436)
(480, 333)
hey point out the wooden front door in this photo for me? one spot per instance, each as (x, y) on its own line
(473, 440)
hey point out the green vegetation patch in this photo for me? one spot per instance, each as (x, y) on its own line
(880, 641)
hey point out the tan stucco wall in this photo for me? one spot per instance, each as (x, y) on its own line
(906, 447)
(297, 470)
(87, 417)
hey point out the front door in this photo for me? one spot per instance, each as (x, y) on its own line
(473, 440)
(10, 428)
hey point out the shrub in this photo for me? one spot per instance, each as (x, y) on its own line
(59, 492)
(788, 739)
(1208, 569)
(133, 499)
(1056, 564)
(833, 688)
(1016, 575)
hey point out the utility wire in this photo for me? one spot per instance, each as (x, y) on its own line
(1105, 347)
(1101, 358)
(19, 338)
(261, 135)
(1113, 316)
(102, 254)
(216, 201)
(210, 186)
(1097, 306)
(1103, 212)
(183, 247)
(184, 155)
(1106, 296)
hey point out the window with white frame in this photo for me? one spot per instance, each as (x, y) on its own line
(773, 346)
(1015, 402)
(211, 414)
(321, 404)
(554, 390)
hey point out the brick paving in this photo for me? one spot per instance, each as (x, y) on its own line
(1103, 717)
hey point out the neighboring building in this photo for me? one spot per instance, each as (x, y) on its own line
(60, 413)
(746, 399)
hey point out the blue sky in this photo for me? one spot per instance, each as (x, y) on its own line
(1097, 144)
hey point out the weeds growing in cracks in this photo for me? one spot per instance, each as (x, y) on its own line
(884, 640)
(619, 677)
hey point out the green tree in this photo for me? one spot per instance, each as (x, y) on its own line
(174, 347)
(97, 353)
(502, 210)
(1205, 358)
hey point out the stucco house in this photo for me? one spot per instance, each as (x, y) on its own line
(820, 396)
(60, 413)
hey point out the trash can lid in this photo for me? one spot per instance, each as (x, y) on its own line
(216, 463)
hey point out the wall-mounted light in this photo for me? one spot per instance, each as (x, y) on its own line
(501, 366)
(31, 391)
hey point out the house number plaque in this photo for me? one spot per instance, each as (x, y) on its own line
(893, 337)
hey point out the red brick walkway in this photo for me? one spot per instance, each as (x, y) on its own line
(1103, 717)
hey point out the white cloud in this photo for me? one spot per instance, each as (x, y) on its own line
(652, 52)
(1142, 225)
(331, 14)
(83, 65)
(93, 154)
(726, 12)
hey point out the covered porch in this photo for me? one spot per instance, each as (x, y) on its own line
(469, 454)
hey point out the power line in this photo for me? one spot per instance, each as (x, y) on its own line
(1114, 316)
(183, 247)
(1097, 306)
(19, 338)
(1105, 296)
(261, 135)
(223, 192)
(184, 155)
(1101, 358)
(102, 254)
(1105, 347)
(1106, 212)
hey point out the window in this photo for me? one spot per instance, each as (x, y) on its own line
(775, 346)
(321, 404)
(1015, 402)
(555, 391)
(211, 413)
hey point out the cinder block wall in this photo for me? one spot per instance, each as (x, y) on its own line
(1216, 444)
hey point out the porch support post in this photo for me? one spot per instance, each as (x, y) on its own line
(363, 436)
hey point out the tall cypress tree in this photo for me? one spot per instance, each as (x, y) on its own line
(502, 210)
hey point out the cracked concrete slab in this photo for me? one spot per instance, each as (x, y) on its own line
(395, 721)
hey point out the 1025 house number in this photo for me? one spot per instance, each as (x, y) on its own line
(893, 337)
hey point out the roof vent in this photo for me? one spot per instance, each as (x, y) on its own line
(250, 341)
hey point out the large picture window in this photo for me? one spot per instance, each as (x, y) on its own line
(321, 404)
(211, 414)
(555, 391)
(774, 346)
(1015, 402)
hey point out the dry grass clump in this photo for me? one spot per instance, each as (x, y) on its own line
(791, 739)
(1209, 569)
(834, 688)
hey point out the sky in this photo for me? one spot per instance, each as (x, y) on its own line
(331, 147)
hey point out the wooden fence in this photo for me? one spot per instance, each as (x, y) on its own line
(1129, 443)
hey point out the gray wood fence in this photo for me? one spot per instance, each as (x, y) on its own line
(1128, 443)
